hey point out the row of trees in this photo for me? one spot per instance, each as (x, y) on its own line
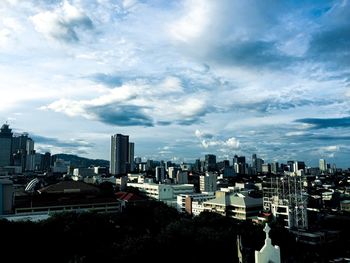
(152, 232)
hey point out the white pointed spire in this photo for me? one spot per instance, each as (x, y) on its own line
(268, 252)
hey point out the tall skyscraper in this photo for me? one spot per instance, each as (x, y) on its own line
(30, 158)
(207, 182)
(239, 164)
(254, 160)
(323, 165)
(274, 168)
(160, 173)
(20, 151)
(5, 145)
(46, 162)
(131, 156)
(119, 154)
(259, 164)
(210, 162)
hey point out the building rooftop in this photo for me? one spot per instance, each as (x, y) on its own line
(69, 187)
(129, 197)
(237, 199)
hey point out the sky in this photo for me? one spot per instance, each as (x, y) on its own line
(183, 78)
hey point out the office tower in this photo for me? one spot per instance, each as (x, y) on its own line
(5, 145)
(274, 168)
(298, 166)
(138, 160)
(6, 196)
(160, 173)
(323, 165)
(239, 164)
(46, 162)
(172, 171)
(259, 164)
(119, 154)
(38, 162)
(266, 168)
(254, 163)
(182, 177)
(210, 162)
(131, 156)
(290, 166)
(207, 183)
(19, 150)
(30, 157)
(149, 165)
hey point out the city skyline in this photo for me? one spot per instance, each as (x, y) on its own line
(182, 78)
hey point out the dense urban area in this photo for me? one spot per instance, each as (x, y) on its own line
(76, 209)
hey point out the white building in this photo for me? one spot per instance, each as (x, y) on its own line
(163, 192)
(268, 253)
(121, 182)
(84, 172)
(192, 203)
(172, 171)
(323, 165)
(236, 205)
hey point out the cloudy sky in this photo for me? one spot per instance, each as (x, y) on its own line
(182, 77)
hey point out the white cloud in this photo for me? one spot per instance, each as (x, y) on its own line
(207, 140)
(166, 56)
(164, 101)
(194, 22)
(331, 148)
(63, 23)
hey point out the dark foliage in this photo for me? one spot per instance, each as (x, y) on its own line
(151, 232)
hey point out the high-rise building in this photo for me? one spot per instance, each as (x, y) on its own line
(6, 196)
(160, 173)
(254, 163)
(210, 162)
(182, 177)
(38, 162)
(131, 156)
(207, 183)
(274, 167)
(46, 162)
(5, 145)
(239, 164)
(20, 150)
(119, 154)
(197, 165)
(323, 165)
(259, 164)
(30, 157)
(290, 166)
(138, 160)
(172, 171)
(298, 166)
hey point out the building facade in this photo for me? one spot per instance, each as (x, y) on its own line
(119, 154)
(5, 145)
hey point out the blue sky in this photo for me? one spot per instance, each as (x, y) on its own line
(183, 78)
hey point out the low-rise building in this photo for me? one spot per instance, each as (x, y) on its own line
(345, 205)
(163, 192)
(192, 203)
(236, 205)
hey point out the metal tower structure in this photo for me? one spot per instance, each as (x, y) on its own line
(287, 198)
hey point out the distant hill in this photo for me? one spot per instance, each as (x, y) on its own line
(78, 161)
